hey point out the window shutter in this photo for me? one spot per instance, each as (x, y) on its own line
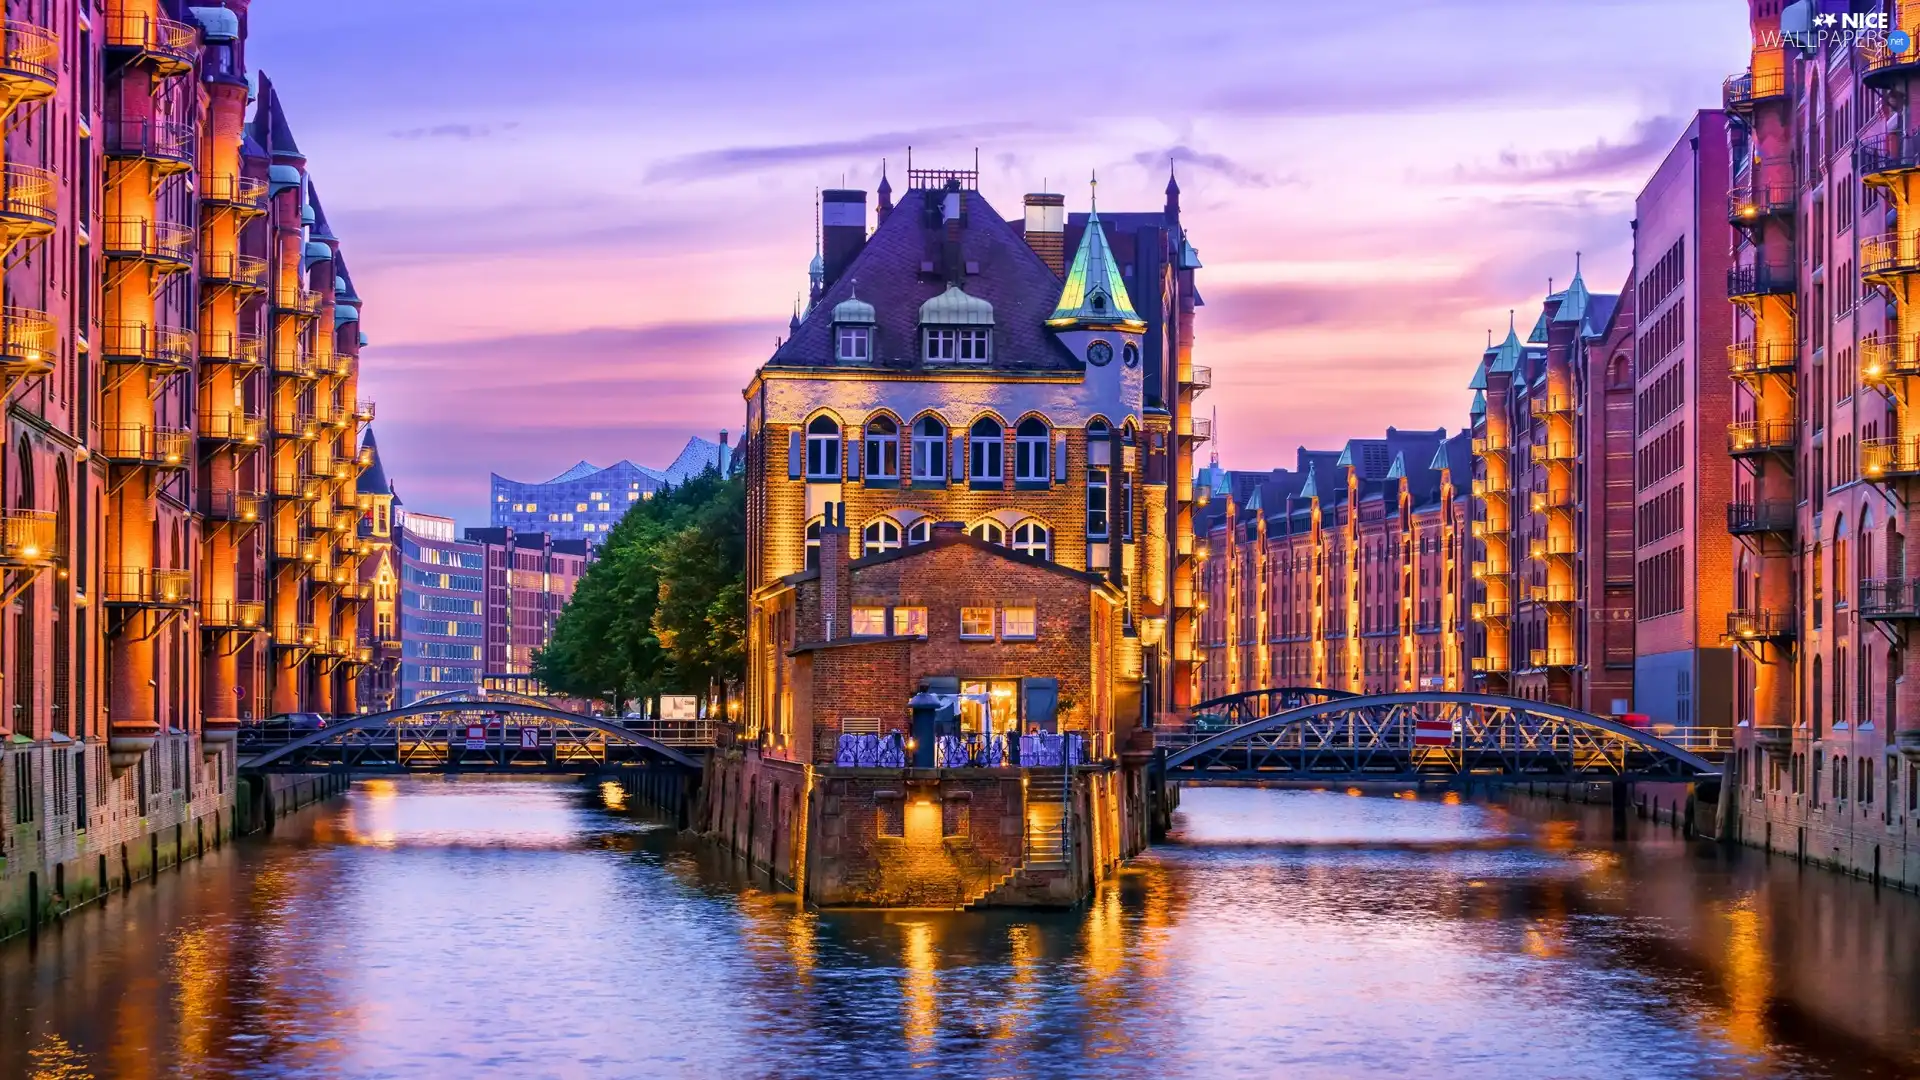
(1042, 704)
(959, 469)
(1060, 457)
(796, 454)
(856, 457)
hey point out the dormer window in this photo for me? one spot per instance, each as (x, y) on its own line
(855, 343)
(853, 320)
(956, 328)
(964, 344)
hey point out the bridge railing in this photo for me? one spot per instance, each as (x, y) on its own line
(700, 732)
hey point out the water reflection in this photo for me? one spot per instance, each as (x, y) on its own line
(519, 928)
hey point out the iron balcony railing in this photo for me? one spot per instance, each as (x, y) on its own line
(1490, 665)
(1740, 92)
(296, 300)
(244, 192)
(292, 547)
(1544, 452)
(27, 342)
(1492, 609)
(1887, 153)
(1552, 499)
(231, 347)
(295, 635)
(1543, 658)
(27, 198)
(29, 537)
(1200, 377)
(293, 423)
(230, 268)
(1760, 279)
(294, 484)
(232, 426)
(1748, 359)
(167, 242)
(1197, 428)
(29, 58)
(1890, 255)
(1552, 404)
(292, 358)
(1749, 438)
(146, 586)
(146, 445)
(138, 343)
(1887, 459)
(232, 505)
(1762, 192)
(1757, 625)
(1489, 444)
(363, 412)
(169, 45)
(1544, 546)
(1883, 359)
(166, 144)
(1883, 62)
(1890, 599)
(233, 614)
(1555, 594)
(1755, 518)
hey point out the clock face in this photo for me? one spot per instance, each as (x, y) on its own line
(1099, 354)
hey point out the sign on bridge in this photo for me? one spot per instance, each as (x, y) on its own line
(476, 736)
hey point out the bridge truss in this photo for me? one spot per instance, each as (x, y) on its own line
(1411, 737)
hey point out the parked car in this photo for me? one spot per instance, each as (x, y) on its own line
(296, 721)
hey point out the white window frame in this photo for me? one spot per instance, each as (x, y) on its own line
(883, 453)
(853, 342)
(812, 560)
(875, 539)
(992, 620)
(940, 342)
(990, 531)
(985, 450)
(974, 345)
(1099, 516)
(1032, 454)
(1024, 540)
(823, 451)
(929, 452)
(920, 532)
(1007, 630)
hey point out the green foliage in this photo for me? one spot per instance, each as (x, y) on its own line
(663, 609)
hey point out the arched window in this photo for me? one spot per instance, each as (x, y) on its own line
(881, 534)
(1032, 538)
(823, 449)
(883, 449)
(1841, 580)
(990, 531)
(1819, 699)
(1032, 442)
(920, 531)
(929, 449)
(813, 544)
(983, 455)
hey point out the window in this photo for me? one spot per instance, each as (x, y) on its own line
(853, 342)
(579, 507)
(983, 455)
(973, 345)
(1130, 354)
(1096, 504)
(910, 621)
(1018, 621)
(883, 449)
(929, 449)
(941, 344)
(880, 535)
(989, 531)
(920, 531)
(976, 624)
(1126, 506)
(869, 621)
(823, 449)
(813, 544)
(1031, 538)
(1031, 449)
(948, 343)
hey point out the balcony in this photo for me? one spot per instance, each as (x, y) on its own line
(1763, 193)
(288, 300)
(1489, 444)
(295, 485)
(1552, 405)
(28, 205)
(1880, 158)
(167, 146)
(1889, 256)
(1484, 571)
(292, 358)
(146, 445)
(27, 343)
(163, 347)
(244, 507)
(1492, 610)
(1760, 518)
(1199, 378)
(1555, 658)
(294, 424)
(1543, 453)
(1741, 92)
(342, 576)
(1889, 459)
(288, 547)
(1760, 626)
(1756, 280)
(1752, 359)
(1490, 665)
(29, 538)
(233, 615)
(1890, 599)
(166, 46)
(1552, 499)
(149, 587)
(166, 244)
(363, 412)
(327, 414)
(228, 347)
(328, 362)
(243, 193)
(245, 272)
(1754, 438)
(295, 635)
(1554, 594)
(232, 427)
(29, 61)
(1885, 359)
(1884, 66)
(1547, 546)
(1195, 428)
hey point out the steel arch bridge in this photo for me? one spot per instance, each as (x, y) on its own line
(433, 735)
(1410, 737)
(1250, 705)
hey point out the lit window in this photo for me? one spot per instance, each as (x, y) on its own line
(989, 531)
(1018, 621)
(580, 507)
(633, 496)
(910, 621)
(566, 517)
(1031, 445)
(1031, 538)
(813, 544)
(976, 623)
(929, 449)
(588, 527)
(519, 508)
(606, 506)
(853, 342)
(597, 496)
(920, 531)
(553, 517)
(883, 449)
(533, 508)
(881, 535)
(823, 449)
(869, 622)
(1096, 504)
(983, 456)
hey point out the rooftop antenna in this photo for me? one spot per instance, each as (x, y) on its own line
(1511, 328)
(1093, 188)
(816, 221)
(1216, 433)
(1489, 337)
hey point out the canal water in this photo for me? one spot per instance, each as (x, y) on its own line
(521, 928)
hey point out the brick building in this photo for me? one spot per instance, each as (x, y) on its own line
(530, 577)
(380, 576)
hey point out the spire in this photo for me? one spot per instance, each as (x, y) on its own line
(1094, 294)
(1311, 489)
(885, 205)
(1173, 183)
(1093, 192)
(373, 479)
(793, 325)
(1573, 308)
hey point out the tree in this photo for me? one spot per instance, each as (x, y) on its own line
(700, 619)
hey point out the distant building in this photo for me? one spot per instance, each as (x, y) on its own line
(530, 577)
(443, 595)
(585, 502)
(380, 580)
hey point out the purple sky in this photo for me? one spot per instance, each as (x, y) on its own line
(577, 236)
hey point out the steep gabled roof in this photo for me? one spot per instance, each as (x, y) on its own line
(270, 128)
(373, 479)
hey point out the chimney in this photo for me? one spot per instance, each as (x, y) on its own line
(836, 581)
(1047, 229)
(843, 230)
(952, 211)
(723, 438)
